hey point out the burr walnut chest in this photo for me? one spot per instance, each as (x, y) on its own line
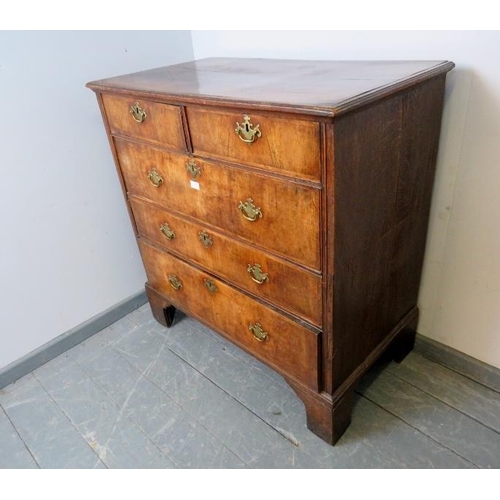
(285, 205)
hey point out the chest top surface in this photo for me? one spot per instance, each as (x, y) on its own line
(325, 88)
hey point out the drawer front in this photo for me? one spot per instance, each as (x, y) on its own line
(288, 219)
(284, 285)
(160, 123)
(288, 346)
(285, 145)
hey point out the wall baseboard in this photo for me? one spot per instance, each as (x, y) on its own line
(69, 339)
(472, 368)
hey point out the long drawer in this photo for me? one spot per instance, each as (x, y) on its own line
(271, 213)
(287, 346)
(285, 285)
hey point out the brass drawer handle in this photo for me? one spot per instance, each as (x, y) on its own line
(257, 274)
(167, 232)
(155, 178)
(192, 169)
(138, 113)
(258, 332)
(246, 131)
(174, 281)
(249, 210)
(204, 237)
(210, 285)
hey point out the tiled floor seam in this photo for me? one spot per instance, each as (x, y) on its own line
(496, 431)
(144, 375)
(292, 441)
(138, 426)
(381, 452)
(99, 459)
(193, 416)
(465, 375)
(120, 410)
(220, 343)
(419, 431)
(20, 437)
(295, 442)
(289, 437)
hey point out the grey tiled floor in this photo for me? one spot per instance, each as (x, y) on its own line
(137, 395)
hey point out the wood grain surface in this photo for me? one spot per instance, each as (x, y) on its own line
(288, 146)
(385, 157)
(321, 88)
(162, 123)
(290, 222)
(342, 175)
(288, 287)
(290, 348)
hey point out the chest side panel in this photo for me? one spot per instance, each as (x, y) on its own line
(385, 158)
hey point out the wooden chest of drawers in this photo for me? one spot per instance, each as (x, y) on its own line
(285, 205)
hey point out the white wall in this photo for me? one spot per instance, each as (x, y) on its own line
(460, 293)
(67, 250)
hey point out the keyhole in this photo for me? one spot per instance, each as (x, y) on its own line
(247, 128)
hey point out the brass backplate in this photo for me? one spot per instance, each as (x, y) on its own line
(249, 210)
(138, 113)
(257, 274)
(258, 332)
(247, 132)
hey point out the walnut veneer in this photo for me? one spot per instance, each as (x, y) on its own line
(284, 204)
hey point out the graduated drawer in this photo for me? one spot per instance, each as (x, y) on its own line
(285, 145)
(287, 346)
(284, 285)
(288, 223)
(148, 120)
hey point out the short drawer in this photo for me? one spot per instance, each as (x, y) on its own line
(283, 145)
(273, 214)
(285, 345)
(284, 285)
(147, 120)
